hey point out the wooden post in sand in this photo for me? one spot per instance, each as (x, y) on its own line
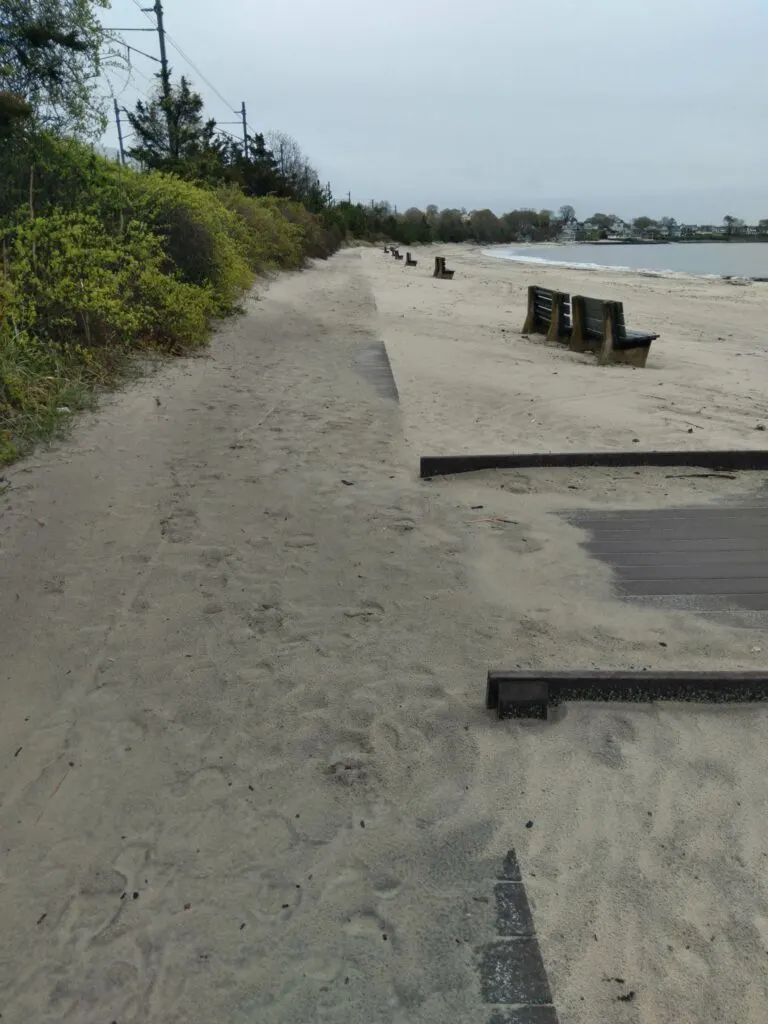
(555, 332)
(611, 312)
(610, 332)
(529, 327)
(439, 263)
(578, 334)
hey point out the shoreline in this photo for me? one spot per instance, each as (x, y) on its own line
(607, 268)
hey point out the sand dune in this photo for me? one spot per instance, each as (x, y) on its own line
(246, 771)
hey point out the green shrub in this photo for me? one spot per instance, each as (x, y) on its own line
(203, 241)
(269, 238)
(40, 387)
(74, 284)
(105, 260)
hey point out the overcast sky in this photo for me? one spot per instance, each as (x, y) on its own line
(633, 107)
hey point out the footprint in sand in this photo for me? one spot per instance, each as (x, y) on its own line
(96, 905)
(275, 898)
(368, 925)
(386, 886)
(352, 770)
(179, 526)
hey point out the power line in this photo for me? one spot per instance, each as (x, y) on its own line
(197, 70)
(228, 134)
(185, 57)
(138, 6)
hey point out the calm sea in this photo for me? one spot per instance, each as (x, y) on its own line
(718, 259)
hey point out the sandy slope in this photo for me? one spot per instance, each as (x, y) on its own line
(245, 771)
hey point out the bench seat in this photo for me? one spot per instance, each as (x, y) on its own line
(599, 326)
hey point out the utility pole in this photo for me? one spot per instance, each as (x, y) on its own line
(119, 133)
(165, 77)
(245, 130)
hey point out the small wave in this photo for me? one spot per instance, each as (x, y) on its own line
(521, 257)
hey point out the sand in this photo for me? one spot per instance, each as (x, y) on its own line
(246, 770)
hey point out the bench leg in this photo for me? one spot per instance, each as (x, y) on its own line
(610, 323)
(632, 356)
(529, 327)
(578, 341)
(555, 332)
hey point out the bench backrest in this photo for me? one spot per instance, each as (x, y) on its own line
(594, 317)
(542, 305)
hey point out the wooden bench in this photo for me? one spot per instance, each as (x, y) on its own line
(549, 313)
(441, 271)
(397, 254)
(599, 326)
(409, 262)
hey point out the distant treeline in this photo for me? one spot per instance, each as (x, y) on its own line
(379, 221)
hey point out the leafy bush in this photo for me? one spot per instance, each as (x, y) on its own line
(103, 260)
(270, 239)
(40, 387)
(74, 284)
(204, 242)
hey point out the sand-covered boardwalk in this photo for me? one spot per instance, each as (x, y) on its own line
(246, 774)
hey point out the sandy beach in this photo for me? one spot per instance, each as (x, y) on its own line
(246, 771)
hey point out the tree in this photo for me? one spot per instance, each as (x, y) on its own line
(414, 227)
(294, 167)
(522, 225)
(600, 224)
(257, 174)
(170, 132)
(484, 226)
(643, 225)
(733, 225)
(451, 227)
(762, 226)
(51, 55)
(566, 215)
(14, 111)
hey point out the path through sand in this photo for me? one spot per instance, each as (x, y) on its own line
(245, 769)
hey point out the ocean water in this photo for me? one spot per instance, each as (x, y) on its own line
(704, 259)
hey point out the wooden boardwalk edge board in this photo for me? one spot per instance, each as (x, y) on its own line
(528, 694)
(442, 465)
